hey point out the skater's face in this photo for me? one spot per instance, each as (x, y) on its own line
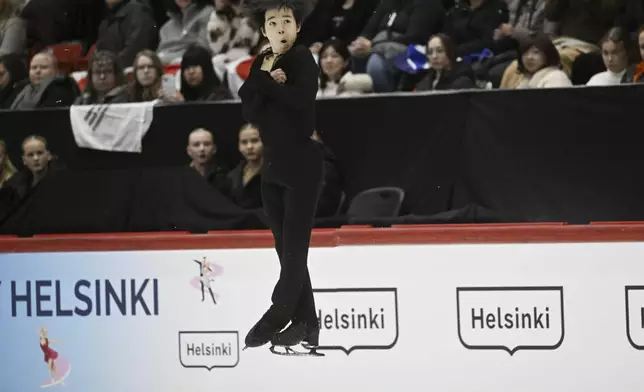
(281, 29)
(201, 147)
(250, 144)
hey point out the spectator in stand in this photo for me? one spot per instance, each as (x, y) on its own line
(105, 81)
(38, 162)
(231, 35)
(202, 151)
(198, 79)
(128, 29)
(615, 48)
(472, 25)
(245, 179)
(148, 73)
(343, 20)
(539, 65)
(445, 73)
(46, 87)
(581, 25)
(14, 76)
(635, 73)
(187, 26)
(13, 29)
(525, 17)
(51, 22)
(394, 26)
(7, 169)
(336, 79)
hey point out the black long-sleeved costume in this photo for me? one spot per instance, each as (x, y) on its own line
(292, 173)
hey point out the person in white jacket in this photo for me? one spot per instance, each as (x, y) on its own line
(335, 78)
(615, 47)
(540, 64)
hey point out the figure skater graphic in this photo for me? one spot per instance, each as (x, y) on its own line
(206, 277)
(59, 373)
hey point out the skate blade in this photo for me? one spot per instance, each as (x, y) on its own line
(290, 352)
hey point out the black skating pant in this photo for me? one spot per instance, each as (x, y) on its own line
(290, 211)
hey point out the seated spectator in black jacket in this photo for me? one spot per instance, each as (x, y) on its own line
(245, 180)
(46, 87)
(38, 162)
(472, 24)
(394, 26)
(13, 78)
(202, 151)
(445, 72)
(198, 79)
(51, 22)
(343, 20)
(105, 81)
(128, 29)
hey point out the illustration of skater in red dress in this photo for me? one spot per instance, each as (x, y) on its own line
(50, 354)
(57, 373)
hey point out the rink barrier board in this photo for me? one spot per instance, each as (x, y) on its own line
(559, 278)
(346, 235)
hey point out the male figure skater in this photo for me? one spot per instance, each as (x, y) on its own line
(279, 96)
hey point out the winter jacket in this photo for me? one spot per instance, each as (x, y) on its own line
(585, 20)
(128, 29)
(473, 29)
(460, 77)
(414, 20)
(548, 77)
(331, 20)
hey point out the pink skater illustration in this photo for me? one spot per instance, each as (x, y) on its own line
(206, 278)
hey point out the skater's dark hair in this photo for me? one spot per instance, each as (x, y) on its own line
(257, 9)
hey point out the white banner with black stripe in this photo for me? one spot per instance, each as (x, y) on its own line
(111, 127)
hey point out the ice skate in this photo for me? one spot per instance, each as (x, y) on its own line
(297, 334)
(259, 335)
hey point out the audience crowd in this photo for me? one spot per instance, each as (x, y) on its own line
(59, 53)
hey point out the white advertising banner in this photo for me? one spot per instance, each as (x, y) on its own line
(458, 318)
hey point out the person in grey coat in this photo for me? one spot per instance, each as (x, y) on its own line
(187, 26)
(13, 30)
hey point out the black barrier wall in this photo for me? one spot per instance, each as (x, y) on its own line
(536, 155)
